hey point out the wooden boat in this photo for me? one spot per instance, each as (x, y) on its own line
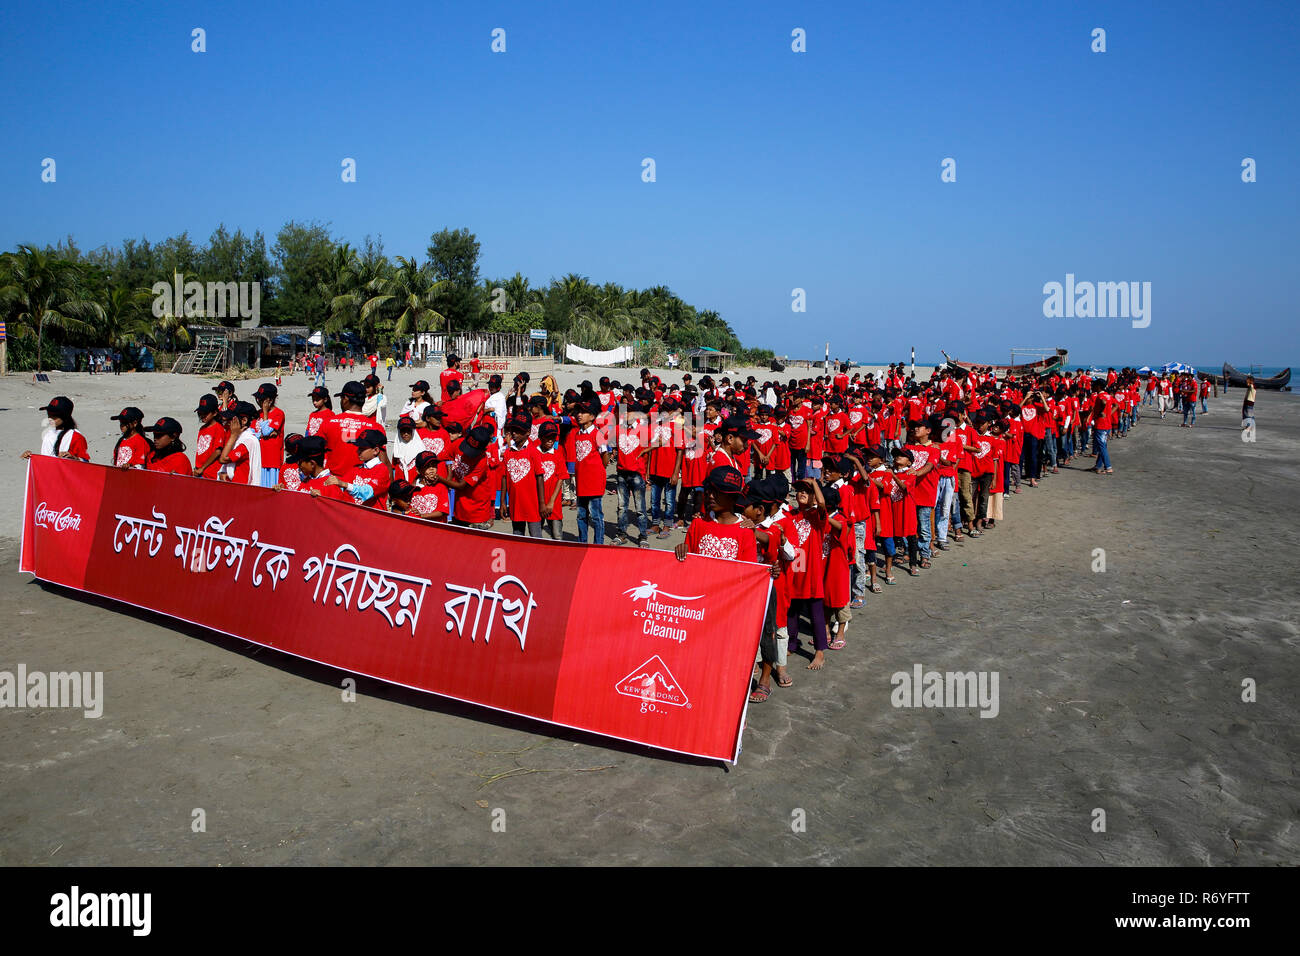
(1237, 379)
(1043, 366)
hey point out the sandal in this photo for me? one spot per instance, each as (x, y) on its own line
(873, 587)
(759, 694)
(838, 644)
(911, 571)
(925, 562)
(857, 603)
(890, 580)
(785, 681)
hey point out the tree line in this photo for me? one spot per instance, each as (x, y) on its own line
(61, 295)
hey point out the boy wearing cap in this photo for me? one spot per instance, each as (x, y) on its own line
(211, 440)
(367, 482)
(450, 374)
(168, 449)
(132, 449)
(308, 458)
(269, 429)
(522, 464)
(760, 505)
(724, 534)
(344, 427)
(496, 403)
(468, 476)
(554, 469)
(630, 468)
(590, 456)
(60, 437)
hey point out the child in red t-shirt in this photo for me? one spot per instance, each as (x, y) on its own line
(523, 479)
(807, 573)
(554, 471)
(838, 552)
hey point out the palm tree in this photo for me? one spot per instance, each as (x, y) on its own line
(402, 303)
(41, 289)
(125, 318)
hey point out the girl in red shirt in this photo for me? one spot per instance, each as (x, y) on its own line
(806, 581)
(132, 449)
(168, 449)
(554, 470)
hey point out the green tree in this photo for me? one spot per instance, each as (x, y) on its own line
(40, 290)
(303, 254)
(453, 262)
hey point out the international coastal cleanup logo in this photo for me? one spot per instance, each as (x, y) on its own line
(57, 520)
(662, 613)
(654, 685)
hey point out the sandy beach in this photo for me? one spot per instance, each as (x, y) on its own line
(1119, 691)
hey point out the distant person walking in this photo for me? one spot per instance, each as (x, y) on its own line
(1248, 404)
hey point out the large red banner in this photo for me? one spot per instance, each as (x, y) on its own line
(629, 644)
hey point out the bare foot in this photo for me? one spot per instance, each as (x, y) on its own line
(818, 662)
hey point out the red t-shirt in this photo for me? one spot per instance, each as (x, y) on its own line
(374, 474)
(663, 457)
(431, 500)
(333, 492)
(133, 451)
(273, 447)
(477, 504)
(695, 462)
(798, 429)
(583, 449)
(211, 437)
(837, 433)
(449, 375)
(523, 466)
(342, 428)
(716, 540)
(633, 439)
(555, 469)
(175, 464)
(291, 478)
(317, 419)
(927, 485)
(883, 503)
(239, 458)
(807, 573)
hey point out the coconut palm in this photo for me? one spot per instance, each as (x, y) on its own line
(41, 289)
(402, 303)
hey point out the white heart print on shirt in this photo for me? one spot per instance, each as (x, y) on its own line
(715, 547)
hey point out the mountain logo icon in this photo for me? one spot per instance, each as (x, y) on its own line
(653, 682)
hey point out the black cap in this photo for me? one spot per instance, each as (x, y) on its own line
(267, 389)
(406, 421)
(494, 379)
(548, 429)
(370, 438)
(207, 403)
(520, 419)
(737, 426)
(247, 410)
(424, 459)
(129, 414)
(371, 379)
(224, 387)
(354, 390)
(401, 489)
(165, 426)
(422, 385)
(60, 406)
(291, 442)
(725, 479)
(832, 498)
(320, 391)
(475, 443)
(312, 447)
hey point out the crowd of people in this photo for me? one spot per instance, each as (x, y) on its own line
(836, 482)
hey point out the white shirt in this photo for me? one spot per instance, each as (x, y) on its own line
(496, 404)
(51, 433)
(250, 442)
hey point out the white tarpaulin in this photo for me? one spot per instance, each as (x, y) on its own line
(609, 357)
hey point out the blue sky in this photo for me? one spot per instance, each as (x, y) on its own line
(775, 169)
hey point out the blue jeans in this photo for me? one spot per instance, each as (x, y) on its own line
(944, 501)
(1049, 442)
(1203, 408)
(1031, 457)
(665, 494)
(590, 510)
(1189, 407)
(630, 484)
(858, 587)
(923, 513)
(1103, 455)
(320, 376)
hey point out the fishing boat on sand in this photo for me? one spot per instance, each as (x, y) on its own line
(1237, 379)
(1050, 360)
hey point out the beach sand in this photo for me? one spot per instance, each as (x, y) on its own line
(1119, 691)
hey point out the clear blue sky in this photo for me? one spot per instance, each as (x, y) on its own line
(775, 170)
